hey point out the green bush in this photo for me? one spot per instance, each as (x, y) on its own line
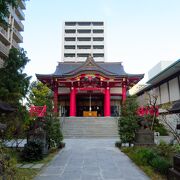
(161, 165)
(118, 144)
(54, 134)
(177, 148)
(161, 129)
(165, 150)
(32, 151)
(145, 156)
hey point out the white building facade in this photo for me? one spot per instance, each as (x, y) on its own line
(81, 39)
(10, 36)
(165, 86)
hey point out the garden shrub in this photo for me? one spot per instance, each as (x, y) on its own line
(145, 156)
(32, 151)
(161, 129)
(161, 165)
(54, 134)
(165, 150)
(177, 148)
(118, 144)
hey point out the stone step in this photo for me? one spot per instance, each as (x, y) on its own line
(90, 127)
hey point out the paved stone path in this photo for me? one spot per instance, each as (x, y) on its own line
(91, 159)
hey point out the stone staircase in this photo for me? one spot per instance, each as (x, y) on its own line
(90, 127)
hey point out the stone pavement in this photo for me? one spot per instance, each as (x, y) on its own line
(91, 159)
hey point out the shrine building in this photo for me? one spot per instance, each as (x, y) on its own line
(89, 88)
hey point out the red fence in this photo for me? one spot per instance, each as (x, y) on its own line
(38, 111)
(148, 110)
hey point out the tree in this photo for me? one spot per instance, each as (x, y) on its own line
(41, 95)
(14, 82)
(152, 102)
(13, 89)
(128, 122)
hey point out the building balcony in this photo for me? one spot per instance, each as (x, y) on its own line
(69, 34)
(17, 23)
(98, 43)
(22, 4)
(84, 35)
(97, 27)
(4, 36)
(84, 51)
(4, 50)
(98, 51)
(69, 51)
(17, 36)
(99, 59)
(83, 42)
(1, 62)
(98, 34)
(70, 27)
(20, 13)
(69, 59)
(15, 44)
(85, 27)
(69, 43)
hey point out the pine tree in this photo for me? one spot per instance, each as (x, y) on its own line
(128, 122)
(14, 82)
(14, 85)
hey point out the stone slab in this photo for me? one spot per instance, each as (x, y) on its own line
(27, 165)
(37, 166)
(91, 159)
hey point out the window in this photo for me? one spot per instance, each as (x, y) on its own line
(98, 55)
(84, 31)
(69, 55)
(98, 47)
(70, 31)
(98, 39)
(98, 31)
(84, 47)
(70, 23)
(84, 23)
(83, 39)
(83, 55)
(98, 23)
(69, 47)
(69, 39)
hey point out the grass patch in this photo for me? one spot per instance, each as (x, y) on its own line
(142, 162)
(26, 174)
(29, 174)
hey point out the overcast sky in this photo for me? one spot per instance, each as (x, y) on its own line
(140, 33)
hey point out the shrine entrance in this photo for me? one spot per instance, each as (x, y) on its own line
(90, 105)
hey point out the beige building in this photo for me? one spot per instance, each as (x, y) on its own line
(165, 87)
(10, 37)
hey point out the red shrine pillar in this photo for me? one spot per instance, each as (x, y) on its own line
(107, 103)
(55, 98)
(123, 93)
(73, 102)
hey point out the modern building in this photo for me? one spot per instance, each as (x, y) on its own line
(165, 87)
(158, 68)
(10, 36)
(89, 88)
(82, 38)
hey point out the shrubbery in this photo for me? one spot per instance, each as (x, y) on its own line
(32, 151)
(159, 158)
(160, 164)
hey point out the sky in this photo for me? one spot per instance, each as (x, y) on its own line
(139, 33)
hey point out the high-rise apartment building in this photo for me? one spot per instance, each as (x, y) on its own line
(10, 36)
(81, 39)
